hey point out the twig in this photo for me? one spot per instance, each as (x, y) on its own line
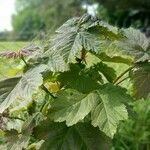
(9, 117)
(122, 80)
(122, 74)
(24, 61)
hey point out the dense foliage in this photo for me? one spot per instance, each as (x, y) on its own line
(125, 13)
(69, 95)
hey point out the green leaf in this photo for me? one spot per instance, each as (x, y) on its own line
(110, 109)
(111, 52)
(70, 43)
(108, 27)
(106, 106)
(72, 106)
(81, 136)
(20, 89)
(104, 29)
(140, 77)
(114, 59)
(58, 49)
(107, 71)
(135, 44)
(79, 79)
(67, 43)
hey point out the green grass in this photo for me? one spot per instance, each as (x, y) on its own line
(4, 46)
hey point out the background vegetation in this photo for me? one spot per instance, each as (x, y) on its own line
(37, 17)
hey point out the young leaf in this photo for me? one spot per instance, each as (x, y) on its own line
(81, 136)
(110, 109)
(26, 51)
(20, 89)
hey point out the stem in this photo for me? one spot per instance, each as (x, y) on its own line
(41, 109)
(47, 91)
(122, 80)
(122, 74)
(24, 60)
(14, 118)
(83, 55)
(43, 105)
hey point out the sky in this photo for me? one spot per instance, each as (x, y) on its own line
(7, 8)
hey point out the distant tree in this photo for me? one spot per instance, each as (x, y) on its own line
(36, 15)
(27, 24)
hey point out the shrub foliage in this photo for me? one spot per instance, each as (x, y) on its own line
(63, 99)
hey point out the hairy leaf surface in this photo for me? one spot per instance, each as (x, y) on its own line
(77, 34)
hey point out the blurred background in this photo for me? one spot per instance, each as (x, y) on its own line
(22, 20)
